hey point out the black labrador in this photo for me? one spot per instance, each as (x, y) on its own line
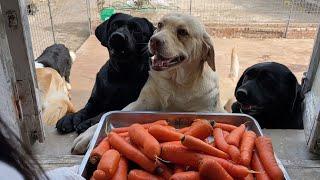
(121, 79)
(271, 94)
(58, 57)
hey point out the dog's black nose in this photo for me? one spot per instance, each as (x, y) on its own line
(155, 43)
(241, 95)
(117, 40)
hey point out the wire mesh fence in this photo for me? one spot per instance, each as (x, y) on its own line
(58, 21)
(233, 18)
(69, 21)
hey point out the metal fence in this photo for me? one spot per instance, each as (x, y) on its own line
(58, 21)
(226, 11)
(71, 21)
(227, 17)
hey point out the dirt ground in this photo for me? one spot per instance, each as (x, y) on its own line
(91, 56)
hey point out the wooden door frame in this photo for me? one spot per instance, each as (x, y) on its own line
(25, 87)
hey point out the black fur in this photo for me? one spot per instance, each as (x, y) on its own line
(121, 79)
(274, 92)
(57, 57)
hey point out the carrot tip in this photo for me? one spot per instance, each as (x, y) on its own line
(247, 122)
(183, 138)
(212, 122)
(158, 170)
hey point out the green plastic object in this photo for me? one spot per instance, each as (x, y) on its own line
(106, 13)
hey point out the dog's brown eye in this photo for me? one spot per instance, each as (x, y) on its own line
(160, 25)
(182, 32)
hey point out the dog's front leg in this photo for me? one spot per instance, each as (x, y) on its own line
(148, 100)
(81, 143)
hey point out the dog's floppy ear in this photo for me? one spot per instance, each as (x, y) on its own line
(150, 25)
(295, 90)
(240, 81)
(101, 31)
(208, 51)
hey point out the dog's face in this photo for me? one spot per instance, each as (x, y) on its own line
(267, 87)
(180, 39)
(125, 35)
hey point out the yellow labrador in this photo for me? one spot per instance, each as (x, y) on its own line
(182, 75)
(181, 78)
(54, 95)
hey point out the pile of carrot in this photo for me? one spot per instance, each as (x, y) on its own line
(157, 151)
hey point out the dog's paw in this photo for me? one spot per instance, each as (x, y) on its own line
(65, 124)
(82, 127)
(81, 143)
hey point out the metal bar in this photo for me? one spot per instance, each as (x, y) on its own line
(190, 7)
(51, 21)
(289, 19)
(89, 15)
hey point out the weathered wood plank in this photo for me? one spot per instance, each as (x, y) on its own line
(311, 104)
(297, 169)
(8, 111)
(52, 162)
(19, 41)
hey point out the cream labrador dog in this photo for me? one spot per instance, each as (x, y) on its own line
(54, 95)
(182, 75)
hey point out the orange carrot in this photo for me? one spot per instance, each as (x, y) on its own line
(183, 130)
(137, 174)
(235, 136)
(249, 177)
(246, 147)
(98, 151)
(127, 139)
(234, 153)
(178, 154)
(225, 127)
(221, 144)
(257, 166)
(99, 175)
(124, 134)
(131, 153)
(266, 155)
(198, 145)
(122, 170)
(109, 162)
(178, 168)
(146, 126)
(233, 169)
(169, 127)
(141, 137)
(219, 140)
(225, 133)
(211, 169)
(189, 175)
(163, 134)
(200, 129)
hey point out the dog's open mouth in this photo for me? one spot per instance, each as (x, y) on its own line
(160, 63)
(250, 109)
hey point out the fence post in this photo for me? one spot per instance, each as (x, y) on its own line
(51, 21)
(289, 19)
(190, 6)
(89, 15)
